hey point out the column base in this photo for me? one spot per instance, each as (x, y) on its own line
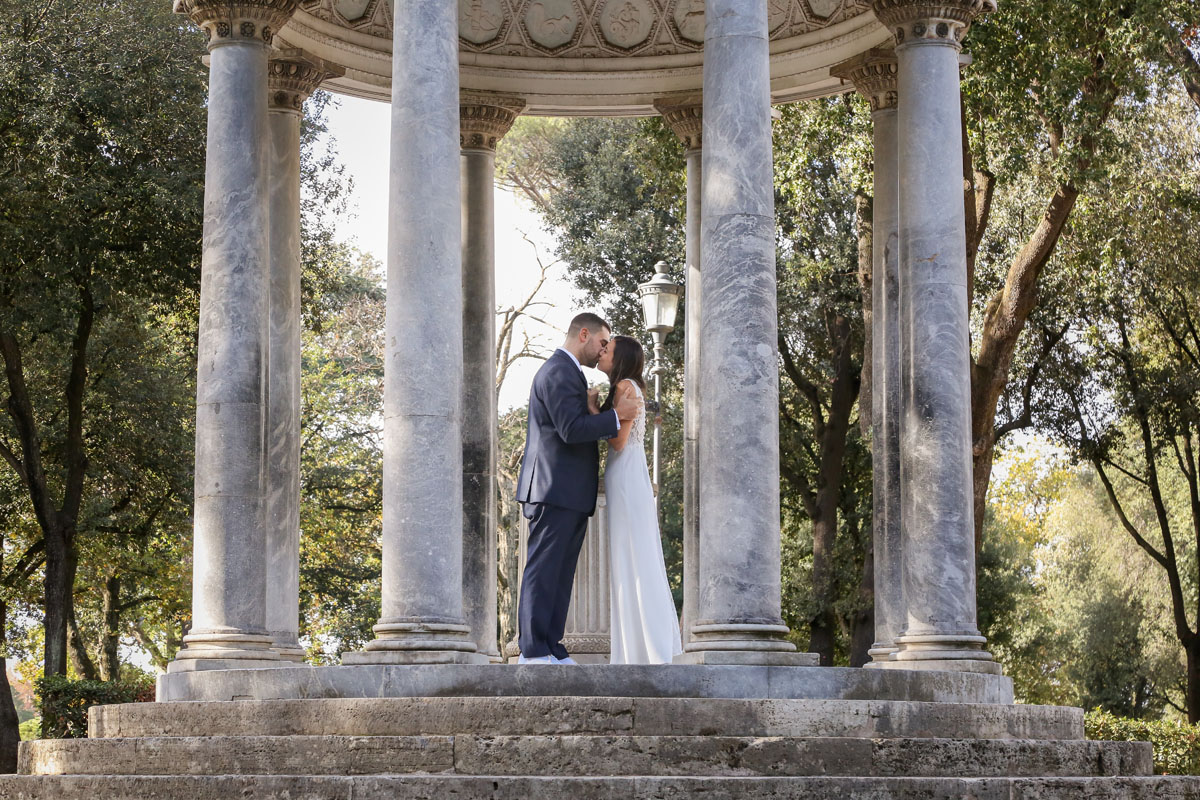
(880, 654)
(743, 643)
(748, 658)
(418, 641)
(405, 657)
(954, 652)
(284, 643)
(221, 650)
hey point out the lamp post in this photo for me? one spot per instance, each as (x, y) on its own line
(660, 299)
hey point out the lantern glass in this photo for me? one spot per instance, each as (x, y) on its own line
(659, 308)
(660, 300)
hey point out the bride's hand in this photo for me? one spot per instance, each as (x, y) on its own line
(593, 400)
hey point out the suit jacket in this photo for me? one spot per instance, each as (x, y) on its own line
(561, 465)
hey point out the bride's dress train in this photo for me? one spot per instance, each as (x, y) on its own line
(644, 627)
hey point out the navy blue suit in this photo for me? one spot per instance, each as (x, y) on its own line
(560, 477)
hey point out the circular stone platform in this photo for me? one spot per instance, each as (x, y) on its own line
(586, 57)
(543, 680)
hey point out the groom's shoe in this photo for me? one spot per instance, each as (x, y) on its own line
(567, 660)
(536, 660)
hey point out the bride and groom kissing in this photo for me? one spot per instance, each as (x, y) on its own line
(557, 489)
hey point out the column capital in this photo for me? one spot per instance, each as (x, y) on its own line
(292, 77)
(234, 21)
(684, 116)
(873, 74)
(944, 22)
(484, 118)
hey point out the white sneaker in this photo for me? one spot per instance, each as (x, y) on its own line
(536, 660)
(567, 660)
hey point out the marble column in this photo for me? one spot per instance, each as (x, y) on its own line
(873, 74)
(685, 117)
(739, 620)
(422, 617)
(483, 120)
(939, 629)
(292, 77)
(228, 574)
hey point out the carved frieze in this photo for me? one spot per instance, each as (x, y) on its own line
(627, 23)
(585, 28)
(689, 19)
(481, 21)
(551, 24)
(237, 21)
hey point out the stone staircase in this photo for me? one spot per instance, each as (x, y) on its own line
(580, 748)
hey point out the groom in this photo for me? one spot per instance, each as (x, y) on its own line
(560, 476)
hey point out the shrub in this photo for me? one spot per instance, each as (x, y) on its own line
(1176, 744)
(65, 703)
(31, 729)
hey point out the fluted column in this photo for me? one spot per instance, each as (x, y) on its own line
(422, 619)
(292, 78)
(939, 630)
(739, 619)
(483, 120)
(873, 74)
(685, 117)
(228, 574)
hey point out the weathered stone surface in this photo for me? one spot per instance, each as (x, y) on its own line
(587, 681)
(242, 755)
(468, 754)
(428, 787)
(532, 716)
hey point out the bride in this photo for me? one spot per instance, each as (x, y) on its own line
(645, 629)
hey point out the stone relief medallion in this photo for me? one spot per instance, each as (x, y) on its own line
(626, 23)
(480, 21)
(551, 23)
(778, 12)
(689, 19)
(351, 10)
(824, 9)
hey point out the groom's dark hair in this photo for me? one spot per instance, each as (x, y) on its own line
(586, 320)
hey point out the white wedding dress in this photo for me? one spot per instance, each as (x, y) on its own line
(645, 629)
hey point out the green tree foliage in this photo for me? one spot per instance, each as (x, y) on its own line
(100, 171)
(1042, 104)
(341, 464)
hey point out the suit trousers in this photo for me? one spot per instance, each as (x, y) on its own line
(555, 539)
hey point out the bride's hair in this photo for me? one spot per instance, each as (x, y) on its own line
(628, 362)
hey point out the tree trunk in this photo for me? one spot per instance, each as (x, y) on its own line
(81, 660)
(1003, 322)
(1193, 680)
(56, 601)
(10, 725)
(833, 434)
(862, 632)
(1189, 70)
(110, 662)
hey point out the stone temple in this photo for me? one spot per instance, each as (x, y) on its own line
(424, 711)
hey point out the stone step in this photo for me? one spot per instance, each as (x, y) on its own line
(438, 787)
(466, 754)
(535, 716)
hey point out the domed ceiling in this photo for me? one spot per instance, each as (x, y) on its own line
(587, 56)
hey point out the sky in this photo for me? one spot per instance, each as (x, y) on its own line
(359, 132)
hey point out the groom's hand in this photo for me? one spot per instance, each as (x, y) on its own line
(628, 407)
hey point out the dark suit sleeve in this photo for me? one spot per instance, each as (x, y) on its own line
(568, 411)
